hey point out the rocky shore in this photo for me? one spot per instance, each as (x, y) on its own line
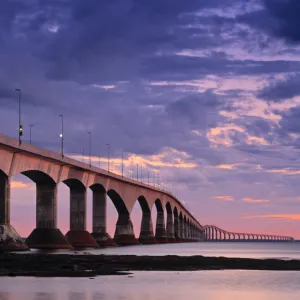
(64, 265)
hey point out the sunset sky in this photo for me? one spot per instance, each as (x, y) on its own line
(204, 93)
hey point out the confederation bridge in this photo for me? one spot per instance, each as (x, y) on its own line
(174, 223)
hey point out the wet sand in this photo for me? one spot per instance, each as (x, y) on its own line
(64, 265)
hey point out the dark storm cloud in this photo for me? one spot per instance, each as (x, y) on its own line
(67, 46)
(279, 18)
(280, 90)
(286, 14)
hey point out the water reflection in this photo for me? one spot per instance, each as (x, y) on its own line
(98, 296)
(77, 296)
(45, 296)
(4, 296)
(208, 285)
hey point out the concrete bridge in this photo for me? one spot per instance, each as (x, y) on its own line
(214, 233)
(47, 169)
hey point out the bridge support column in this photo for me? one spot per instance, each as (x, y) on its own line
(186, 231)
(176, 228)
(192, 233)
(170, 227)
(160, 231)
(124, 234)
(99, 233)
(146, 234)
(10, 240)
(202, 235)
(46, 235)
(78, 236)
(181, 228)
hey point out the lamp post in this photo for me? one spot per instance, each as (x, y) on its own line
(20, 125)
(90, 147)
(30, 127)
(62, 134)
(108, 150)
(137, 172)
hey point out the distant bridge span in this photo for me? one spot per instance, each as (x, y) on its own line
(214, 233)
(47, 169)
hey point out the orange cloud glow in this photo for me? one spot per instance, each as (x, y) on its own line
(285, 171)
(250, 200)
(169, 157)
(21, 185)
(294, 217)
(225, 198)
(227, 166)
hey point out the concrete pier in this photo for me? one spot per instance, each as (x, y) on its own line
(78, 236)
(170, 227)
(146, 234)
(124, 234)
(176, 227)
(181, 228)
(160, 230)
(99, 233)
(46, 235)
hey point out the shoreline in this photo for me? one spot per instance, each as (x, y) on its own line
(66, 265)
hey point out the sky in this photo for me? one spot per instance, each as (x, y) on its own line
(204, 94)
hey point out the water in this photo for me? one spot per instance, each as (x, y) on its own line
(246, 250)
(206, 285)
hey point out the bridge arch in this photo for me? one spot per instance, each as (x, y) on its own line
(146, 232)
(124, 233)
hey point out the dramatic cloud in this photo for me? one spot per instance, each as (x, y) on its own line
(203, 94)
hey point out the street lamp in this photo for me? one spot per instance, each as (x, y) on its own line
(20, 125)
(62, 135)
(108, 153)
(90, 148)
(30, 127)
(137, 172)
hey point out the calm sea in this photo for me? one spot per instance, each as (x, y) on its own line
(207, 285)
(248, 250)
